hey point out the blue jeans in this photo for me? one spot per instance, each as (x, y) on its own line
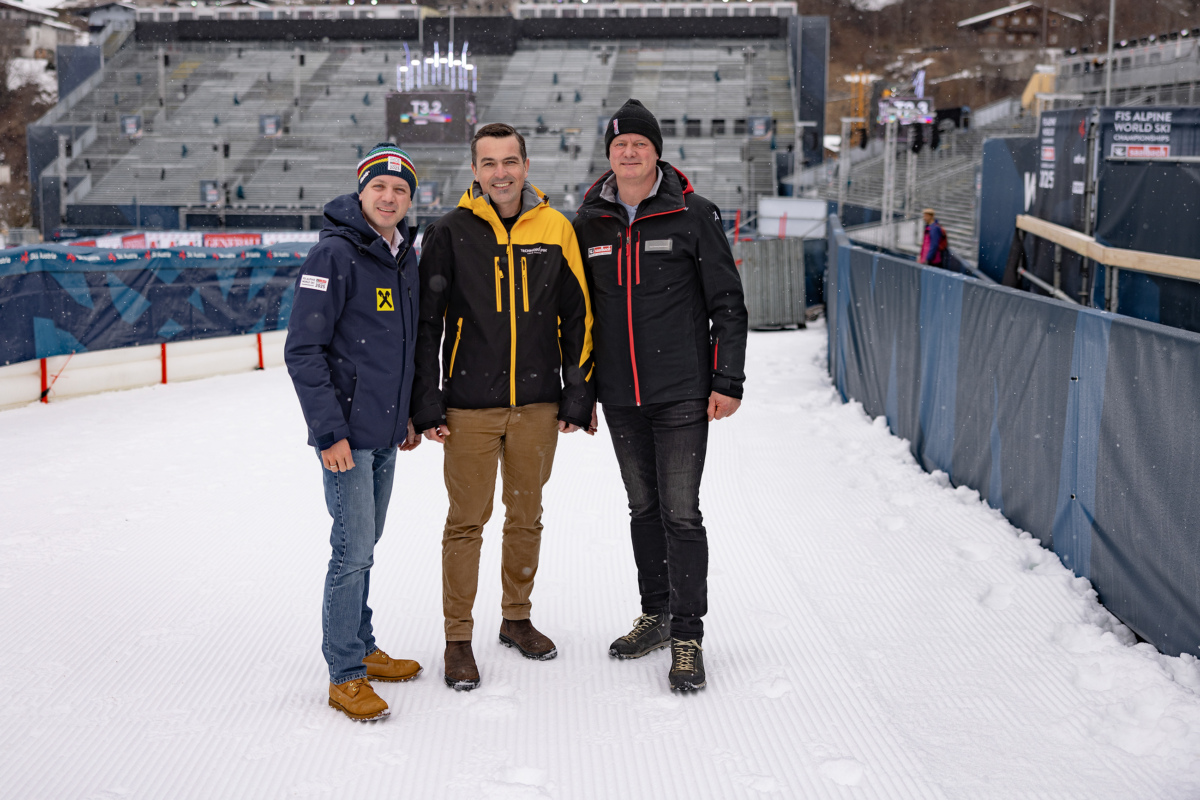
(660, 449)
(357, 500)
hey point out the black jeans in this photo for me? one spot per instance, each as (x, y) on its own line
(661, 451)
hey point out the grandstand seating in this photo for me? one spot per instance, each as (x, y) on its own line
(945, 180)
(215, 93)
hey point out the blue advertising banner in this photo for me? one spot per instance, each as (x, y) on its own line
(57, 299)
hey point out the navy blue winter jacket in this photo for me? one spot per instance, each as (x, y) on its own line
(353, 331)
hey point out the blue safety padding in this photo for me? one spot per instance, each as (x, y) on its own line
(843, 330)
(128, 302)
(995, 496)
(891, 406)
(50, 340)
(941, 318)
(55, 299)
(169, 329)
(259, 277)
(76, 286)
(1074, 515)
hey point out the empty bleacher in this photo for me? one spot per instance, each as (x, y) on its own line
(204, 123)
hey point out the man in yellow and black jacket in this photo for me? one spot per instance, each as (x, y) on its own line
(504, 295)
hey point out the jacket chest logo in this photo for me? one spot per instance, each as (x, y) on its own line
(383, 300)
(658, 246)
(602, 250)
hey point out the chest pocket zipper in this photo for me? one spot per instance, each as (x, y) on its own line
(525, 284)
(454, 352)
(499, 277)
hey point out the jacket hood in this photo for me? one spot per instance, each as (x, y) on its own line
(344, 217)
(672, 190)
(476, 201)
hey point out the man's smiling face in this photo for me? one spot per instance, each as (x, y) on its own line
(500, 170)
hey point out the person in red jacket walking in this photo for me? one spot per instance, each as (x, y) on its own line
(670, 345)
(933, 245)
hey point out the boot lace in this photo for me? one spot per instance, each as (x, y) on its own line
(640, 625)
(684, 655)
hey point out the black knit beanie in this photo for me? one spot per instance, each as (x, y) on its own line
(633, 117)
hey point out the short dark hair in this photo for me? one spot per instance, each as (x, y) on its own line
(498, 130)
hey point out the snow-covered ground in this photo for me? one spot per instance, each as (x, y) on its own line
(873, 632)
(33, 70)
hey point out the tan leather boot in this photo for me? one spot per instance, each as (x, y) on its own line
(532, 643)
(461, 673)
(382, 667)
(357, 700)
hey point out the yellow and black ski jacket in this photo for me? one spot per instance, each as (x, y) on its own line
(513, 308)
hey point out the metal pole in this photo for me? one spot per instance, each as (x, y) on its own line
(296, 81)
(62, 177)
(1108, 65)
(162, 82)
(221, 180)
(889, 182)
(843, 165)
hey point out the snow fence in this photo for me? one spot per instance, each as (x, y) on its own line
(1080, 426)
(57, 300)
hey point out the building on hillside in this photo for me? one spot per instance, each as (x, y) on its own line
(44, 32)
(1024, 25)
(100, 14)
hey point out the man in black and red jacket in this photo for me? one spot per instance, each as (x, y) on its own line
(670, 346)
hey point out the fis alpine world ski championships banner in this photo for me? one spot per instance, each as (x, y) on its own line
(56, 300)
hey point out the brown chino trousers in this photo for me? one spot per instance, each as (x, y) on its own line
(522, 440)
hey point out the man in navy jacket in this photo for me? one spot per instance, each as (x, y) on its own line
(350, 349)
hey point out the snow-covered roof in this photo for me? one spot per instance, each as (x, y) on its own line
(87, 9)
(28, 8)
(999, 12)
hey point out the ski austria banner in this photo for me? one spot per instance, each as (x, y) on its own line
(56, 299)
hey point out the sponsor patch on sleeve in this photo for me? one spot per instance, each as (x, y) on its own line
(313, 282)
(658, 245)
(602, 250)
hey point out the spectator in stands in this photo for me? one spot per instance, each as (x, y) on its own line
(933, 244)
(352, 335)
(502, 282)
(670, 348)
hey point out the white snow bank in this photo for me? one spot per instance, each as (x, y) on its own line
(22, 71)
(873, 632)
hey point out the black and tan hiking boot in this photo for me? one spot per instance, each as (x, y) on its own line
(687, 666)
(650, 632)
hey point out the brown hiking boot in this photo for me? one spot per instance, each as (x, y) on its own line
(521, 634)
(461, 673)
(382, 667)
(357, 700)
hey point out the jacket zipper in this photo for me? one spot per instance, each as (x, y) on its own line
(454, 352)
(637, 389)
(512, 322)
(628, 282)
(525, 284)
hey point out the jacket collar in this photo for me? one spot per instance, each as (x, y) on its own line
(480, 204)
(344, 218)
(669, 195)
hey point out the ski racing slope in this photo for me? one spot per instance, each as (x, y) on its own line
(874, 633)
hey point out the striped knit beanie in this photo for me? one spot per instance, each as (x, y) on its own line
(387, 159)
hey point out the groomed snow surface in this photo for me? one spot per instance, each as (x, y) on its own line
(873, 632)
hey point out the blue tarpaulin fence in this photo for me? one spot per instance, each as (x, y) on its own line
(56, 300)
(1080, 426)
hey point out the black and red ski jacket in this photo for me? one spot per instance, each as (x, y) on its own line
(670, 318)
